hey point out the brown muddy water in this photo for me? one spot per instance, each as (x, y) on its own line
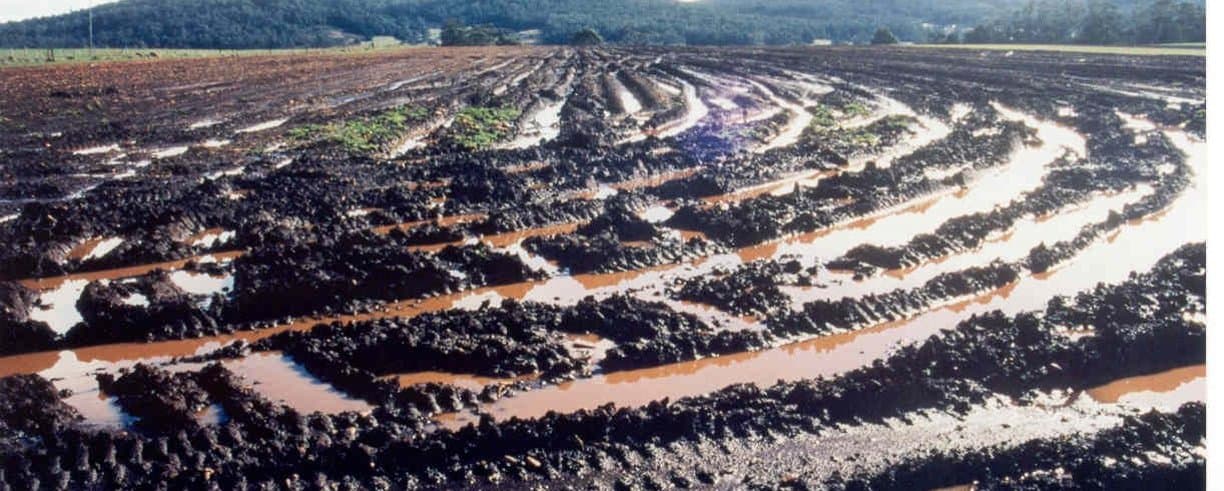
(1168, 388)
(50, 283)
(1137, 245)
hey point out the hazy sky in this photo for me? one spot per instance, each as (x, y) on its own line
(25, 9)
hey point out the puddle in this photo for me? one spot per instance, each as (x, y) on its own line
(657, 214)
(51, 283)
(98, 150)
(204, 123)
(650, 181)
(531, 260)
(798, 122)
(201, 283)
(95, 248)
(136, 300)
(273, 375)
(543, 125)
(667, 87)
(1139, 245)
(417, 139)
(166, 153)
(1183, 222)
(1168, 389)
(1013, 245)
(628, 101)
(930, 131)
(1145, 92)
(473, 383)
(51, 364)
(264, 126)
(278, 378)
(723, 103)
(1022, 173)
(441, 221)
(211, 238)
(213, 415)
(959, 111)
(695, 110)
(510, 238)
(631, 388)
(714, 317)
(589, 347)
(775, 187)
(58, 306)
(604, 192)
(80, 193)
(99, 410)
(393, 86)
(236, 171)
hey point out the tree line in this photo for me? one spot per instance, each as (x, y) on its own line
(319, 23)
(1091, 22)
(237, 24)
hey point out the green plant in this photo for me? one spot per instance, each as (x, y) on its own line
(824, 128)
(864, 139)
(896, 122)
(822, 116)
(305, 133)
(856, 109)
(361, 135)
(480, 127)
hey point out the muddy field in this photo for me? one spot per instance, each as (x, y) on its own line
(608, 268)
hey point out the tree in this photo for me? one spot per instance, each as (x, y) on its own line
(983, 34)
(457, 34)
(1097, 22)
(586, 37)
(1193, 21)
(1102, 24)
(1157, 23)
(884, 36)
(952, 37)
(452, 33)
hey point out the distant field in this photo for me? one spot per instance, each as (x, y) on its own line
(33, 57)
(1195, 49)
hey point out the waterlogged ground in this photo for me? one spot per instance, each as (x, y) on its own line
(512, 267)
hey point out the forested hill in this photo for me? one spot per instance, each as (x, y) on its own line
(283, 23)
(298, 23)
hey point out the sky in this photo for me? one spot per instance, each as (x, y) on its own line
(26, 9)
